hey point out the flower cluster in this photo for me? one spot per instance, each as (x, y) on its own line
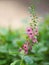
(25, 47)
(32, 32)
(32, 36)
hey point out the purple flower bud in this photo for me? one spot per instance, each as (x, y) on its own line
(34, 40)
(26, 51)
(20, 49)
(36, 31)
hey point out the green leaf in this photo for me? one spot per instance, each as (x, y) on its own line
(15, 62)
(2, 62)
(28, 60)
(3, 48)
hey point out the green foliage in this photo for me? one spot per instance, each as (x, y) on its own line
(11, 41)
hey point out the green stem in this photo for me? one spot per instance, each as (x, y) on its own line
(21, 61)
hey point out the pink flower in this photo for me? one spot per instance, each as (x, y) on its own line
(29, 30)
(30, 33)
(25, 47)
(34, 40)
